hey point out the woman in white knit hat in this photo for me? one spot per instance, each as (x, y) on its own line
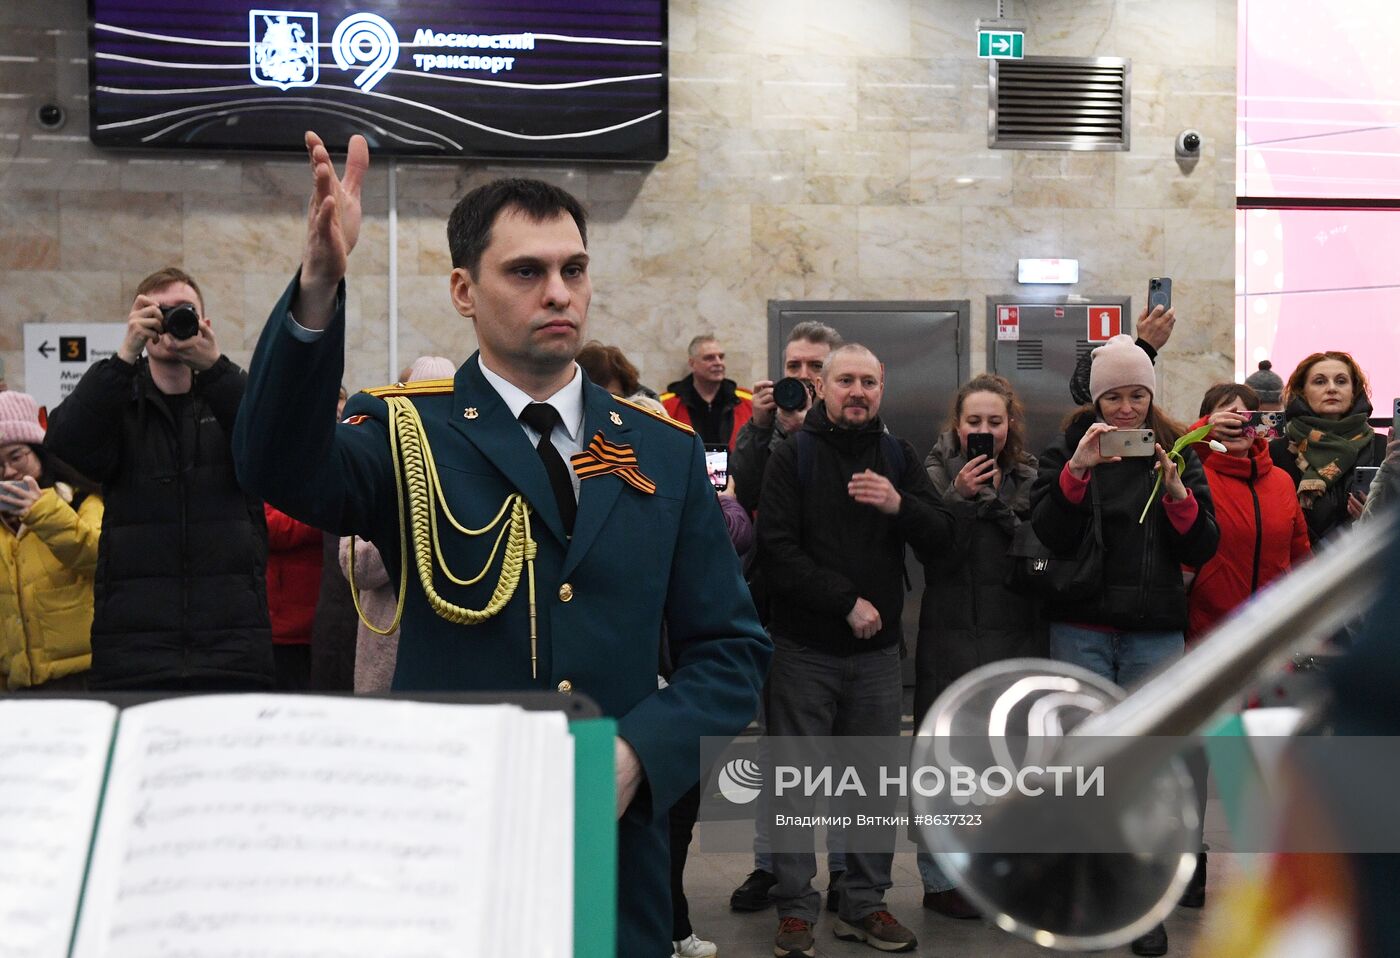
(50, 519)
(1135, 621)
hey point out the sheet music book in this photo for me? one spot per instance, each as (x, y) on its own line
(267, 826)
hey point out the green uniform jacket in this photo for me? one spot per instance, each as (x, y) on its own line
(636, 563)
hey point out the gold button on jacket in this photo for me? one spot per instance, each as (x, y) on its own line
(566, 592)
(566, 686)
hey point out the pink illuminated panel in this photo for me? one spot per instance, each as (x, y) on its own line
(1319, 98)
(1310, 280)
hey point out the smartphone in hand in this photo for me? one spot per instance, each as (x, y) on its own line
(1361, 479)
(979, 444)
(1128, 443)
(1264, 425)
(717, 466)
(1159, 293)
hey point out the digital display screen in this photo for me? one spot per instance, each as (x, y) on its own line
(545, 79)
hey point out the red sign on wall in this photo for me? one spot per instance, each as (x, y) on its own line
(1008, 323)
(1105, 322)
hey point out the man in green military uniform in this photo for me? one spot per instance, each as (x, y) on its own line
(544, 533)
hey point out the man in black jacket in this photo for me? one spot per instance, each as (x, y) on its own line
(180, 594)
(840, 501)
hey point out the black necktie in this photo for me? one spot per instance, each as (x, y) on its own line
(542, 417)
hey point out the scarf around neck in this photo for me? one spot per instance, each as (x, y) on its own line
(1327, 449)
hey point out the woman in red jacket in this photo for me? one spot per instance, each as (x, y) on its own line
(1262, 535)
(293, 586)
(1262, 529)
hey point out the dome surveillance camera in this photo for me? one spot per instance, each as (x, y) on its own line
(1188, 144)
(51, 116)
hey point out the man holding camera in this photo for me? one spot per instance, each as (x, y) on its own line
(180, 594)
(775, 416)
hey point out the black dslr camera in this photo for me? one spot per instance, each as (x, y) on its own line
(181, 322)
(792, 394)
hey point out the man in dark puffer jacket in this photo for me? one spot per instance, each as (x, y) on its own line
(180, 592)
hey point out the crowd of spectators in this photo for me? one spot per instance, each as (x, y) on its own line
(133, 560)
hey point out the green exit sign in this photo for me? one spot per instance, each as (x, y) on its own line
(1001, 45)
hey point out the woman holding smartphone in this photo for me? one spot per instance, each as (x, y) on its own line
(48, 551)
(1136, 621)
(1327, 438)
(981, 468)
(1262, 536)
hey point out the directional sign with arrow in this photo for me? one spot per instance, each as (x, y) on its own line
(1001, 45)
(57, 354)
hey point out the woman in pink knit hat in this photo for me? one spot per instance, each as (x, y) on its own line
(50, 519)
(1131, 621)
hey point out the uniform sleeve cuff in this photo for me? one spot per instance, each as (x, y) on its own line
(300, 332)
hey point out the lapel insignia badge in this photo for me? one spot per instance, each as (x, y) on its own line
(616, 419)
(470, 413)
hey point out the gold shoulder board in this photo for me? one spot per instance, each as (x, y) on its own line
(424, 387)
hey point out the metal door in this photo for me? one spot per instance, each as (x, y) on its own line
(1050, 336)
(921, 345)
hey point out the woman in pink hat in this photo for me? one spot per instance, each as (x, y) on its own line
(51, 519)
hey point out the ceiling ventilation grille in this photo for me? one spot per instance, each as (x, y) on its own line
(1060, 103)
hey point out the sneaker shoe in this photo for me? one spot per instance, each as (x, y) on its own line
(951, 904)
(1195, 894)
(794, 939)
(1152, 943)
(833, 891)
(752, 895)
(693, 947)
(878, 930)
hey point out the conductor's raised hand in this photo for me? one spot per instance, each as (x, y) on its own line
(332, 227)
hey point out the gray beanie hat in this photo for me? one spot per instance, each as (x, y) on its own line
(1266, 383)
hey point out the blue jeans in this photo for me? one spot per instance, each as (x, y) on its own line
(1125, 658)
(934, 878)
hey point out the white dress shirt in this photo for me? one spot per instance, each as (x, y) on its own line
(568, 402)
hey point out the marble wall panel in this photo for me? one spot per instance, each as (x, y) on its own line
(1066, 180)
(1200, 244)
(959, 169)
(126, 231)
(909, 243)
(1115, 243)
(753, 166)
(819, 149)
(800, 251)
(857, 169)
(875, 27)
(56, 296)
(805, 93)
(30, 236)
(712, 89)
(906, 94)
(994, 239)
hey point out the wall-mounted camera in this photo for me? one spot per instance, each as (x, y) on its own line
(51, 116)
(1188, 145)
